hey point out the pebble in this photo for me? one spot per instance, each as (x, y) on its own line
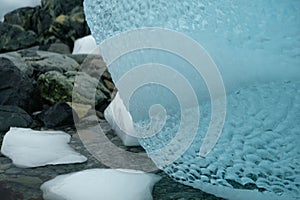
(13, 170)
(26, 180)
(4, 160)
(5, 166)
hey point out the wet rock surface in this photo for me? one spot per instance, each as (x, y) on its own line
(25, 183)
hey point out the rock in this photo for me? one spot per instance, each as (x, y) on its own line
(8, 194)
(13, 170)
(94, 66)
(60, 21)
(54, 22)
(42, 19)
(21, 17)
(5, 166)
(58, 47)
(20, 63)
(56, 87)
(14, 37)
(69, 28)
(57, 7)
(81, 109)
(87, 89)
(35, 63)
(43, 62)
(26, 180)
(16, 88)
(61, 114)
(13, 116)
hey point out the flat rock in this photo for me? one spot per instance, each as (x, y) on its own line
(35, 62)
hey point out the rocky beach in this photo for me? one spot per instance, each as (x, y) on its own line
(38, 75)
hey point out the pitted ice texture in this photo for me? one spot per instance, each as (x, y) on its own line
(258, 152)
(252, 43)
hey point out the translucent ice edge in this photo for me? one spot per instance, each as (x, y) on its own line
(257, 154)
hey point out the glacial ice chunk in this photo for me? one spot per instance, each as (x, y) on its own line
(29, 148)
(95, 184)
(255, 45)
(85, 45)
(121, 122)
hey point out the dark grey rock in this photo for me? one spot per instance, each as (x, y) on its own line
(21, 17)
(42, 61)
(14, 37)
(57, 7)
(61, 114)
(16, 88)
(59, 47)
(13, 116)
(54, 22)
(70, 27)
(34, 63)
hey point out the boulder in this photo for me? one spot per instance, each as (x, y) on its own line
(57, 7)
(43, 61)
(60, 114)
(14, 37)
(58, 47)
(16, 88)
(54, 22)
(88, 90)
(13, 116)
(21, 17)
(20, 63)
(60, 21)
(56, 87)
(35, 63)
(70, 27)
(94, 66)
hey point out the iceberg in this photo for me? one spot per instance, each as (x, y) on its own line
(95, 184)
(84, 45)
(149, 47)
(121, 122)
(30, 148)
